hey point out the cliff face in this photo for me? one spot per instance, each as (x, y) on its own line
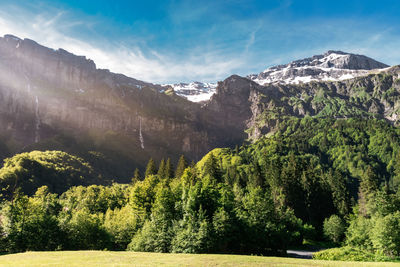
(45, 94)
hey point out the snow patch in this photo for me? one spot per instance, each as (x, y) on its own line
(194, 91)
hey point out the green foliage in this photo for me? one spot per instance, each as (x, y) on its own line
(334, 228)
(55, 169)
(349, 254)
(193, 235)
(86, 231)
(375, 224)
(165, 171)
(169, 169)
(161, 169)
(151, 168)
(121, 224)
(136, 176)
(180, 168)
(385, 234)
(31, 223)
(156, 233)
(357, 234)
(259, 199)
(142, 195)
(95, 198)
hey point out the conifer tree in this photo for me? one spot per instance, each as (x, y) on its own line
(182, 165)
(211, 168)
(192, 164)
(161, 169)
(136, 176)
(169, 173)
(151, 168)
(368, 185)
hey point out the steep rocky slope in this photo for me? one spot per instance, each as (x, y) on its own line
(54, 99)
(259, 109)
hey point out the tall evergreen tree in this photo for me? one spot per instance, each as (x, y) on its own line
(161, 169)
(368, 185)
(180, 168)
(151, 168)
(136, 176)
(169, 173)
(211, 168)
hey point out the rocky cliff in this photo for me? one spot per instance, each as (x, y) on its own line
(54, 99)
(258, 109)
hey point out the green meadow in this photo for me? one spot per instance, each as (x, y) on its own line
(106, 258)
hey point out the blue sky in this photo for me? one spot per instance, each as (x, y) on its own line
(177, 41)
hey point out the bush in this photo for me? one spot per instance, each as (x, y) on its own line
(334, 228)
(349, 254)
(385, 235)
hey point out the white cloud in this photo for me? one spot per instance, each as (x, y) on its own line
(54, 31)
(232, 46)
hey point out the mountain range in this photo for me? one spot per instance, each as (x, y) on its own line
(331, 66)
(54, 100)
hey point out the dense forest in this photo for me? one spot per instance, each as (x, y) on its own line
(314, 179)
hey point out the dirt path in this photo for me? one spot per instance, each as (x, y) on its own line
(302, 254)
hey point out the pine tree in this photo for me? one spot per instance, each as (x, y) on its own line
(151, 168)
(169, 173)
(192, 164)
(368, 185)
(161, 169)
(182, 165)
(211, 168)
(369, 182)
(136, 176)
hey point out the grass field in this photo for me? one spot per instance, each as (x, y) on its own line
(104, 258)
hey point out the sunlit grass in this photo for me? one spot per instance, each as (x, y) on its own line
(105, 258)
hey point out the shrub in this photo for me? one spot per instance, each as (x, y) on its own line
(349, 254)
(334, 228)
(385, 235)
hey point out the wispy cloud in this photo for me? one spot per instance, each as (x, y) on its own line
(139, 62)
(228, 45)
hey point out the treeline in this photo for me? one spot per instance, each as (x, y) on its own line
(312, 179)
(194, 211)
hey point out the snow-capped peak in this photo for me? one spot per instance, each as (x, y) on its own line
(331, 66)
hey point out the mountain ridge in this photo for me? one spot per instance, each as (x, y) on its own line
(333, 65)
(330, 66)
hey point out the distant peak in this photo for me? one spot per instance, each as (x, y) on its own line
(334, 65)
(12, 37)
(329, 52)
